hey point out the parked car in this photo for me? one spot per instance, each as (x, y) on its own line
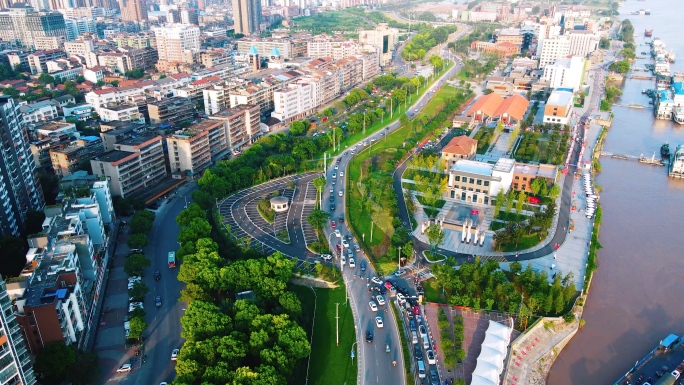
(418, 352)
(124, 368)
(422, 330)
(326, 257)
(376, 280)
(431, 357)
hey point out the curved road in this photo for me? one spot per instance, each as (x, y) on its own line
(564, 209)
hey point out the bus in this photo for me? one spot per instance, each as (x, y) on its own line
(172, 259)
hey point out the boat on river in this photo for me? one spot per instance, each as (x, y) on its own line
(665, 150)
(652, 160)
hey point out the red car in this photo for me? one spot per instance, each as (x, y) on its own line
(333, 224)
(416, 310)
(339, 248)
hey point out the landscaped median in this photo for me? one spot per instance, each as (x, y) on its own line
(371, 201)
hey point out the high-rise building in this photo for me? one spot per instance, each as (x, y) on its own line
(19, 187)
(21, 25)
(175, 40)
(133, 10)
(383, 38)
(247, 16)
(15, 363)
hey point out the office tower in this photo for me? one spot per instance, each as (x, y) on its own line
(247, 16)
(19, 187)
(133, 10)
(15, 363)
(175, 40)
(22, 26)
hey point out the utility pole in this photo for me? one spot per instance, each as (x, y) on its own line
(337, 323)
(372, 225)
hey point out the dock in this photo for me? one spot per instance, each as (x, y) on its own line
(642, 77)
(653, 161)
(669, 352)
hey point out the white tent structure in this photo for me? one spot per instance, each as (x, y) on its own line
(490, 362)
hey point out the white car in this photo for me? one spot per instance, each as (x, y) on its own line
(334, 175)
(345, 243)
(338, 234)
(174, 354)
(352, 263)
(344, 260)
(340, 193)
(376, 280)
(134, 305)
(373, 306)
(131, 285)
(332, 190)
(422, 330)
(326, 257)
(431, 357)
(378, 322)
(337, 167)
(341, 174)
(124, 368)
(381, 299)
(401, 299)
(134, 278)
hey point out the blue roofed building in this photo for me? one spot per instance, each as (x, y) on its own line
(664, 105)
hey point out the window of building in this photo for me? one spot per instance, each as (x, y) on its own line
(486, 200)
(457, 178)
(525, 178)
(524, 187)
(463, 196)
(453, 193)
(517, 177)
(472, 180)
(486, 183)
(470, 189)
(477, 190)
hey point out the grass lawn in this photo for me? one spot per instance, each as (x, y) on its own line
(497, 226)
(330, 364)
(525, 243)
(433, 291)
(438, 102)
(331, 21)
(461, 76)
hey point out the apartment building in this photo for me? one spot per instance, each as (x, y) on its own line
(247, 16)
(216, 56)
(78, 26)
(264, 45)
(565, 73)
(294, 102)
(194, 148)
(139, 40)
(134, 164)
(582, 42)
(15, 361)
(195, 90)
(122, 113)
(38, 61)
(20, 24)
(217, 98)
(558, 108)
(39, 112)
(242, 125)
(553, 49)
(261, 94)
(326, 46)
(479, 182)
(65, 160)
(174, 109)
(525, 174)
(510, 35)
(78, 47)
(174, 40)
(20, 189)
(501, 49)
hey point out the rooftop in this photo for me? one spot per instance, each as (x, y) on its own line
(112, 156)
(504, 165)
(55, 126)
(559, 98)
(541, 170)
(473, 167)
(121, 107)
(461, 145)
(137, 139)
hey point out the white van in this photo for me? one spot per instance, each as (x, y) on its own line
(421, 369)
(426, 342)
(414, 337)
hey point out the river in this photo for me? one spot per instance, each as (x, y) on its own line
(636, 298)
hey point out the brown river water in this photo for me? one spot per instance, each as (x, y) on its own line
(637, 294)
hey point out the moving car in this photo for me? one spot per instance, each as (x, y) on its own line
(174, 354)
(378, 322)
(381, 299)
(369, 336)
(376, 280)
(422, 330)
(345, 243)
(341, 174)
(124, 368)
(157, 275)
(340, 193)
(333, 224)
(363, 265)
(338, 234)
(352, 263)
(418, 352)
(334, 175)
(157, 301)
(373, 306)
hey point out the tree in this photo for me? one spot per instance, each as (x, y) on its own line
(196, 229)
(187, 215)
(78, 376)
(135, 264)
(499, 202)
(137, 241)
(319, 184)
(520, 202)
(139, 291)
(407, 250)
(13, 255)
(46, 78)
(536, 185)
(435, 235)
(318, 218)
(203, 320)
(54, 362)
(299, 127)
(554, 191)
(604, 43)
(620, 67)
(510, 197)
(138, 326)
(141, 223)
